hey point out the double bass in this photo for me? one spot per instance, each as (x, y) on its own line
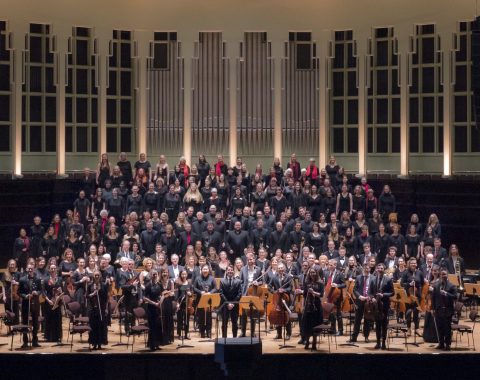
(332, 294)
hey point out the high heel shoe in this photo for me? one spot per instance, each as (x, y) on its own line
(307, 344)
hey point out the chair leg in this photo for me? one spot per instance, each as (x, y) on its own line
(71, 342)
(133, 341)
(11, 344)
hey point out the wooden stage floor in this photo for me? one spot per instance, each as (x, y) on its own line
(270, 345)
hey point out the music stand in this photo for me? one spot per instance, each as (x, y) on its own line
(120, 343)
(253, 302)
(208, 301)
(413, 300)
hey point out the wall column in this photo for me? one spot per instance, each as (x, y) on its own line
(323, 42)
(448, 81)
(404, 83)
(277, 54)
(187, 53)
(18, 37)
(361, 39)
(103, 42)
(60, 82)
(142, 40)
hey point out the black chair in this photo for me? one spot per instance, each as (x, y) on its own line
(465, 329)
(140, 327)
(325, 329)
(77, 323)
(18, 329)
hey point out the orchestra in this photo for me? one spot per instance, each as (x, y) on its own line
(169, 263)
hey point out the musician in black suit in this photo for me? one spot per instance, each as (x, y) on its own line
(454, 261)
(30, 288)
(250, 275)
(381, 289)
(360, 290)
(439, 253)
(334, 279)
(413, 280)
(443, 297)
(129, 283)
(204, 284)
(282, 283)
(342, 259)
(230, 291)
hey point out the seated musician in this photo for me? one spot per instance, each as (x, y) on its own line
(282, 283)
(360, 291)
(250, 275)
(334, 280)
(230, 291)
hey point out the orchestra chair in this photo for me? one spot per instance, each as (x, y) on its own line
(77, 324)
(394, 330)
(465, 329)
(140, 327)
(19, 329)
(325, 329)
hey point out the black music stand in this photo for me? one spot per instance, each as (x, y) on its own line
(353, 306)
(208, 301)
(183, 329)
(413, 300)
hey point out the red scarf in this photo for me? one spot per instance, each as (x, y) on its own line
(313, 173)
(104, 223)
(186, 171)
(56, 226)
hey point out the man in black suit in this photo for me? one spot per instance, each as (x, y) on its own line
(148, 239)
(187, 238)
(443, 297)
(439, 253)
(278, 239)
(230, 291)
(342, 259)
(236, 241)
(282, 283)
(427, 268)
(30, 288)
(367, 254)
(211, 238)
(413, 280)
(360, 290)
(334, 279)
(381, 289)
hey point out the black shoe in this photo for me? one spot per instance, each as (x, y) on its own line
(367, 340)
(25, 346)
(186, 337)
(278, 337)
(307, 344)
(447, 348)
(440, 347)
(378, 346)
(301, 341)
(35, 344)
(209, 334)
(202, 335)
(384, 346)
(242, 335)
(287, 337)
(353, 340)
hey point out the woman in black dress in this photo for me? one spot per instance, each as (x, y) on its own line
(53, 315)
(329, 202)
(50, 244)
(412, 242)
(184, 298)
(11, 278)
(97, 293)
(36, 235)
(323, 225)
(152, 295)
(316, 240)
(104, 170)
(167, 288)
(22, 248)
(112, 241)
(313, 314)
(315, 203)
(80, 280)
(74, 244)
(381, 243)
(386, 203)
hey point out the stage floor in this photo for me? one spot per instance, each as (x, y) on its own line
(270, 345)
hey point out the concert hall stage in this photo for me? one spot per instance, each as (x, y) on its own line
(198, 362)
